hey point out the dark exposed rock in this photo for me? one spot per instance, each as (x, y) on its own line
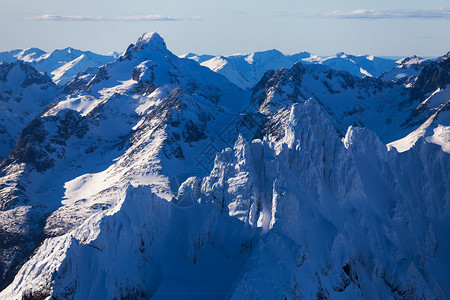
(29, 237)
(101, 75)
(29, 148)
(71, 123)
(4, 70)
(271, 79)
(293, 77)
(144, 88)
(36, 295)
(33, 146)
(193, 132)
(433, 76)
(32, 76)
(81, 80)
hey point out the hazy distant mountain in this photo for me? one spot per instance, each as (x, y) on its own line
(197, 58)
(246, 70)
(62, 65)
(363, 65)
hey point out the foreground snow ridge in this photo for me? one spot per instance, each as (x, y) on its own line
(154, 177)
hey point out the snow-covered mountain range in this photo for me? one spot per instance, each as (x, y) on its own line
(245, 70)
(61, 65)
(260, 176)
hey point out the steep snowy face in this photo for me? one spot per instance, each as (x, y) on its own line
(140, 120)
(116, 191)
(435, 129)
(301, 213)
(338, 219)
(24, 93)
(243, 177)
(161, 251)
(68, 71)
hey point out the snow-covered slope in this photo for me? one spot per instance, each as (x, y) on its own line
(363, 65)
(321, 239)
(140, 120)
(348, 100)
(197, 57)
(24, 93)
(246, 70)
(433, 85)
(436, 129)
(406, 70)
(62, 65)
(155, 177)
(300, 214)
(27, 55)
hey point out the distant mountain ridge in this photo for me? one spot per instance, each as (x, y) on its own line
(153, 176)
(241, 69)
(245, 70)
(61, 65)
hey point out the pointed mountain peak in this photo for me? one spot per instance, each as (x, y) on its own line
(151, 40)
(148, 43)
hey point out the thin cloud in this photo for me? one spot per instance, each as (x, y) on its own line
(441, 13)
(135, 18)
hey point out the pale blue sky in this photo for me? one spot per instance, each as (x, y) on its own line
(323, 27)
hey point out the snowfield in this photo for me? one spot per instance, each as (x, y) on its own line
(260, 176)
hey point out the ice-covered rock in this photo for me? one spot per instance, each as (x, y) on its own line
(24, 93)
(155, 177)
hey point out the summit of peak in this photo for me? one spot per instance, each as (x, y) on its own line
(150, 39)
(150, 42)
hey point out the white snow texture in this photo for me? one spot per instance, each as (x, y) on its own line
(201, 177)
